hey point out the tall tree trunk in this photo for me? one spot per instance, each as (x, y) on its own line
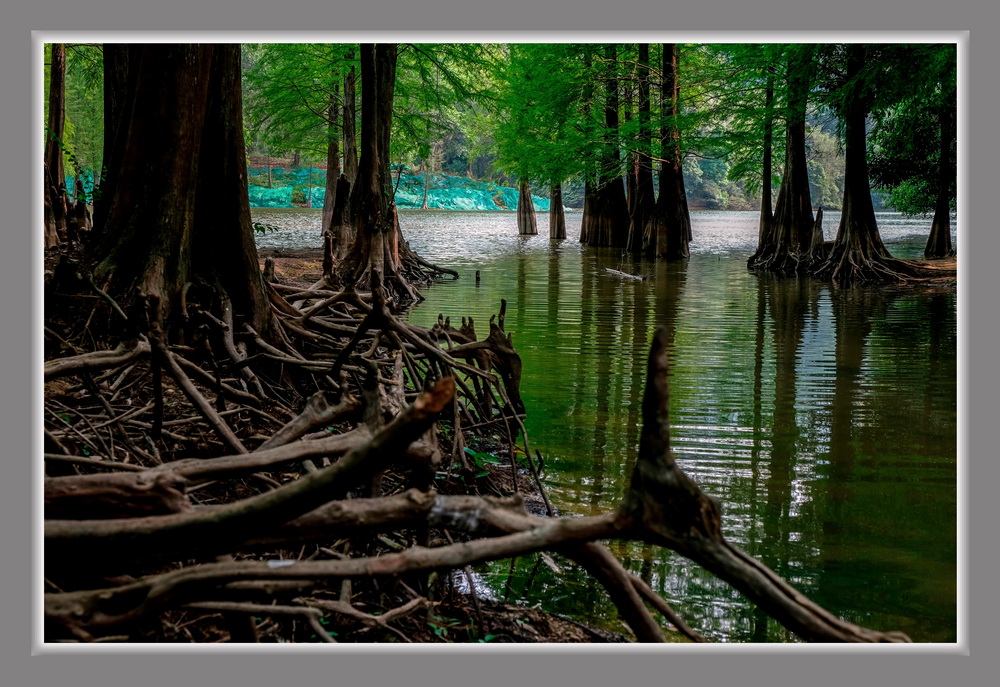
(939, 241)
(608, 212)
(765, 225)
(377, 236)
(793, 218)
(668, 231)
(642, 205)
(168, 226)
(557, 218)
(858, 254)
(350, 116)
(55, 187)
(527, 222)
(120, 69)
(425, 175)
(332, 155)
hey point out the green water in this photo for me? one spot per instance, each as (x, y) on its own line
(824, 419)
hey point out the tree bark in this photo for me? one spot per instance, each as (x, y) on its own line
(765, 225)
(174, 210)
(527, 222)
(557, 218)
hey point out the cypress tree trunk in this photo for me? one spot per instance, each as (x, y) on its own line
(858, 254)
(171, 225)
(527, 223)
(557, 218)
(350, 116)
(641, 207)
(332, 156)
(668, 231)
(939, 241)
(793, 220)
(607, 215)
(55, 187)
(120, 69)
(765, 225)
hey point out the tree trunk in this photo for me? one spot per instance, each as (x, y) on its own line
(332, 157)
(120, 68)
(793, 220)
(168, 226)
(296, 159)
(55, 132)
(939, 241)
(765, 225)
(425, 175)
(377, 237)
(557, 218)
(527, 222)
(641, 207)
(858, 254)
(350, 116)
(607, 215)
(668, 231)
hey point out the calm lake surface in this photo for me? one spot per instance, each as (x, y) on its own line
(824, 419)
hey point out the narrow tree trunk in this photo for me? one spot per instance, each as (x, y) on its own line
(55, 132)
(167, 227)
(350, 116)
(332, 156)
(939, 241)
(425, 175)
(557, 218)
(765, 225)
(645, 195)
(296, 159)
(527, 222)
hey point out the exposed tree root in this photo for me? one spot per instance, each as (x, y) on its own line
(233, 477)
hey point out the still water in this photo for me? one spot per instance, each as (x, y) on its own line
(824, 419)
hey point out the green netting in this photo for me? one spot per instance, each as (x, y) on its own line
(261, 197)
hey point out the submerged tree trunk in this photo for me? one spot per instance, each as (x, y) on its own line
(168, 227)
(791, 235)
(527, 223)
(858, 254)
(668, 230)
(55, 186)
(557, 218)
(939, 241)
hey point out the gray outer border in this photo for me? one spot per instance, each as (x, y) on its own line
(374, 666)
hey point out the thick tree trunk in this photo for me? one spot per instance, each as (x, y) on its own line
(527, 222)
(557, 218)
(791, 233)
(332, 157)
(168, 226)
(858, 254)
(939, 241)
(55, 132)
(607, 215)
(120, 69)
(668, 229)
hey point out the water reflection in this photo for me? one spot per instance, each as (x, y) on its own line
(825, 419)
